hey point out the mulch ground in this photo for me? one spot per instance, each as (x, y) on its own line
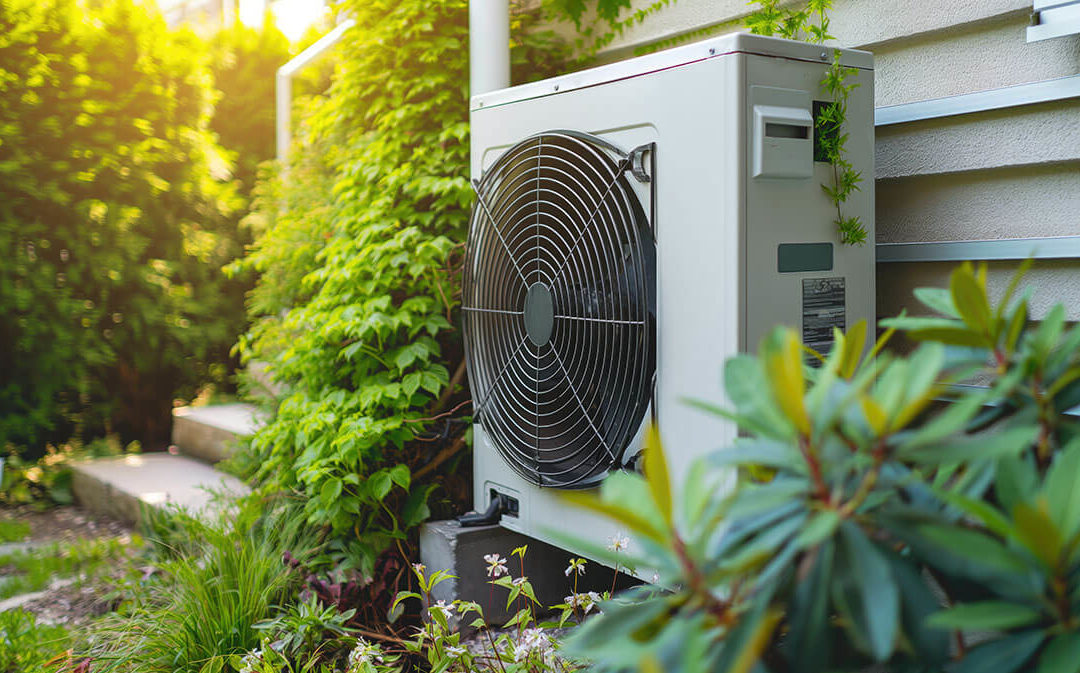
(71, 603)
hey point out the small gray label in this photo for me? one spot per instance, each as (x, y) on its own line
(822, 309)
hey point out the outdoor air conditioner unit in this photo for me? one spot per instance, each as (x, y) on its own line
(636, 225)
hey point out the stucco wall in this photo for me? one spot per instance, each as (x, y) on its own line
(1002, 174)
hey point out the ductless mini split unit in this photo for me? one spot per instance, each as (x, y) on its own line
(636, 225)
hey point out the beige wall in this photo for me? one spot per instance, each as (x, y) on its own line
(1002, 174)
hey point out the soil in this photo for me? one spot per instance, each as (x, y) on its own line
(64, 524)
(71, 603)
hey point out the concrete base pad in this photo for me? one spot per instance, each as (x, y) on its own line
(445, 545)
(122, 486)
(210, 432)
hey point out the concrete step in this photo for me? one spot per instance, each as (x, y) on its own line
(211, 432)
(122, 486)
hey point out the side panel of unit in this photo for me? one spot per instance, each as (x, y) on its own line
(799, 273)
(693, 113)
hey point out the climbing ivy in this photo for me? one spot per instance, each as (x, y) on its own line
(611, 21)
(811, 23)
(359, 256)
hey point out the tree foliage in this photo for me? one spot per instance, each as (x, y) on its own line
(114, 222)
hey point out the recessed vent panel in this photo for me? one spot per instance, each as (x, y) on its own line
(559, 307)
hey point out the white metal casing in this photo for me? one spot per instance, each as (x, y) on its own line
(717, 226)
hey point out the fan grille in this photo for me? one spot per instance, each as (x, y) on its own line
(559, 308)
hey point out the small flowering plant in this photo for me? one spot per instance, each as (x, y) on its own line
(523, 646)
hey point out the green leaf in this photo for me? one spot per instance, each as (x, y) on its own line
(808, 646)
(1061, 655)
(1061, 489)
(1004, 655)
(1036, 530)
(782, 357)
(917, 602)
(876, 605)
(401, 476)
(983, 446)
(330, 491)
(380, 484)
(822, 526)
(985, 616)
(765, 452)
(969, 298)
(411, 383)
(937, 299)
(656, 473)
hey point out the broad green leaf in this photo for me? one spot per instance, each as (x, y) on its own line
(1004, 655)
(981, 511)
(917, 602)
(411, 383)
(1063, 491)
(784, 370)
(969, 553)
(985, 616)
(854, 344)
(622, 515)
(983, 446)
(1016, 481)
(875, 415)
(656, 473)
(744, 381)
(330, 490)
(937, 299)
(1061, 655)
(969, 298)
(764, 452)
(877, 598)
(822, 526)
(758, 639)
(808, 647)
(1036, 530)
(379, 484)
(1049, 331)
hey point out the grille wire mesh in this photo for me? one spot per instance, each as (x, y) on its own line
(557, 210)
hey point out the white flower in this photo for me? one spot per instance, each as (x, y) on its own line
(577, 565)
(250, 661)
(618, 542)
(532, 641)
(496, 565)
(419, 568)
(364, 653)
(455, 651)
(441, 606)
(585, 601)
(519, 581)
(655, 579)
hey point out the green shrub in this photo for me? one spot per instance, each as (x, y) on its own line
(220, 579)
(869, 524)
(26, 645)
(358, 251)
(115, 218)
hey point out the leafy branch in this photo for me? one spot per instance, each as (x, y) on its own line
(811, 24)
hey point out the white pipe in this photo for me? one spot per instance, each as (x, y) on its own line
(489, 45)
(284, 84)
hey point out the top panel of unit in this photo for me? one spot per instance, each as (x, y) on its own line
(717, 47)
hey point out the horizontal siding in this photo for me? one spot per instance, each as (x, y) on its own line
(1010, 173)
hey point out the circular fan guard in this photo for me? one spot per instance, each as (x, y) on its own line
(559, 308)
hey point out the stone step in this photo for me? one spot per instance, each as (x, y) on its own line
(212, 432)
(123, 486)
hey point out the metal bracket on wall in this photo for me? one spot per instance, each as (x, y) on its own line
(1045, 91)
(1052, 247)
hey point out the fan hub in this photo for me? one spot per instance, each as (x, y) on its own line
(539, 313)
